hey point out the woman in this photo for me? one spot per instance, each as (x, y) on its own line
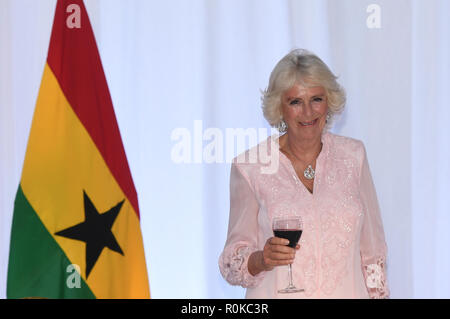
(322, 177)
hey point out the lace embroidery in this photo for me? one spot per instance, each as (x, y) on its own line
(339, 222)
(376, 280)
(374, 275)
(234, 266)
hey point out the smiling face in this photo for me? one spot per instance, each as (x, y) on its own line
(304, 110)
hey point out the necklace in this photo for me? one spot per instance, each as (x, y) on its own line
(309, 172)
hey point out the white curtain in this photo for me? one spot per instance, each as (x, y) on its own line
(201, 64)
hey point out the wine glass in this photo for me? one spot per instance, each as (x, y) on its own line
(290, 228)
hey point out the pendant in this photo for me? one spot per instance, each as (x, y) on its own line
(309, 172)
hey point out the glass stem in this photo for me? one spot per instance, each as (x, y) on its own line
(291, 284)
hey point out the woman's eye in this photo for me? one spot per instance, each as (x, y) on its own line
(294, 102)
(318, 99)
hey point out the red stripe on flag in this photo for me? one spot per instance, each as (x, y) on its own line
(74, 59)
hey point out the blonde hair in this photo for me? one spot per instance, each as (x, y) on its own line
(305, 68)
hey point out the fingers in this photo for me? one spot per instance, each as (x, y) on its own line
(282, 256)
(276, 253)
(281, 241)
(278, 241)
(271, 261)
(279, 245)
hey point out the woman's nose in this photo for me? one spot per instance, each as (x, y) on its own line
(307, 109)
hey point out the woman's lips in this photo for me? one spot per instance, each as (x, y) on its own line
(312, 123)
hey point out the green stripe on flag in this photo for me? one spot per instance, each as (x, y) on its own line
(37, 265)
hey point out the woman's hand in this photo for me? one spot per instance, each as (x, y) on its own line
(275, 253)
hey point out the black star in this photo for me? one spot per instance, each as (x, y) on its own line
(95, 231)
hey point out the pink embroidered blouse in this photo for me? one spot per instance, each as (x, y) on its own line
(343, 250)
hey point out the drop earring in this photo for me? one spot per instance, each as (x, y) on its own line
(282, 126)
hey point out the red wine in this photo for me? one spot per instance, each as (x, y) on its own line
(293, 235)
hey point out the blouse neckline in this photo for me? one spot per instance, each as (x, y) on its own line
(319, 164)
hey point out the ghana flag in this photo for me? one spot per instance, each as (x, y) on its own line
(76, 227)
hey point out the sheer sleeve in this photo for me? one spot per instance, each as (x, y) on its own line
(242, 232)
(372, 246)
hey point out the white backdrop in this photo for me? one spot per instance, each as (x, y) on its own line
(170, 63)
